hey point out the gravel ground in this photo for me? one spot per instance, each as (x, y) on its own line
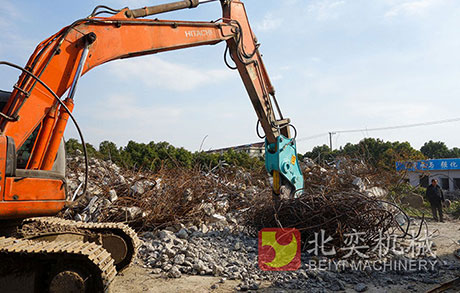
(190, 260)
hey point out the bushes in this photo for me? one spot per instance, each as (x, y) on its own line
(375, 152)
(154, 156)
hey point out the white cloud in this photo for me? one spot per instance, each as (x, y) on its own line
(9, 10)
(155, 72)
(127, 106)
(276, 77)
(388, 112)
(269, 23)
(12, 43)
(325, 10)
(412, 8)
(126, 116)
(285, 67)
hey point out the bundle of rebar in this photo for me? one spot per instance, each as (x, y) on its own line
(333, 205)
(346, 217)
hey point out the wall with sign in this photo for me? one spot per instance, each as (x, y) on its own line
(446, 171)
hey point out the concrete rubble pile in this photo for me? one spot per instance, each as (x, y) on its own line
(344, 175)
(155, 200)
(166, 197)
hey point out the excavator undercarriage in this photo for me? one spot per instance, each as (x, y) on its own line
(58, 266)
(51, 254)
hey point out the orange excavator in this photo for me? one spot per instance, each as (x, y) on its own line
(40, 252)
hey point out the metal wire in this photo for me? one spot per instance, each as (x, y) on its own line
(226, 52)
(405, 232)
(85, 152)
(9, 118)
(241, 42)
(295, 131)
(257, 130)
(337, 212)
(277, 106)
(206, 1)
(108, 11)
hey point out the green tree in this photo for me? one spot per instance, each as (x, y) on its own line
(321, 154)
(376, 152)
(205, 160)
(435, 150)
(184, 157)
(109, 151)
(72, 145)
(153, 156)
(399, 151)
(455, 152)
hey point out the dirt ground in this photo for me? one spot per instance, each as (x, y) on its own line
(446, 237)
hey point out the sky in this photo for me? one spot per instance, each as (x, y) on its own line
(335, 64)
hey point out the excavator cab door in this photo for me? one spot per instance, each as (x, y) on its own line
(27, 193)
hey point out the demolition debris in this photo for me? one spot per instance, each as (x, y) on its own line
(205, 222)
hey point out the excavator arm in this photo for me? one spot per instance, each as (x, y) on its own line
(280, 148)
(35, 120)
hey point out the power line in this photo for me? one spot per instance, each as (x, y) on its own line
(312, 137)
(401, 126)
(382, 128)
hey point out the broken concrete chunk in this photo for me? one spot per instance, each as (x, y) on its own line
(174, 272)
(413, 200)
(360, 287)
(238, 246)
(204, 229)
(132, 212)
(358, 182)
(182, 234)
(165, 235)
(217, 218)
(138, 188)
(113, 195)
(208, 209)
(376, 192)
(308, 162)
(121, 179)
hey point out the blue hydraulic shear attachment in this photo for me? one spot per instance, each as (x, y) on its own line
(281, 159)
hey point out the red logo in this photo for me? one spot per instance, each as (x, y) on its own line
(279, 249)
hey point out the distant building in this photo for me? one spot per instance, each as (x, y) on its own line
(253, 149)
(446, 171)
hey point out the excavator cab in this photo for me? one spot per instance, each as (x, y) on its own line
(24, 192)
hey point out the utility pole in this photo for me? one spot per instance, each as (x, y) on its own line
(330, 139)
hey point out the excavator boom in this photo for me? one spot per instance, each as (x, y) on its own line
(35, 116)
